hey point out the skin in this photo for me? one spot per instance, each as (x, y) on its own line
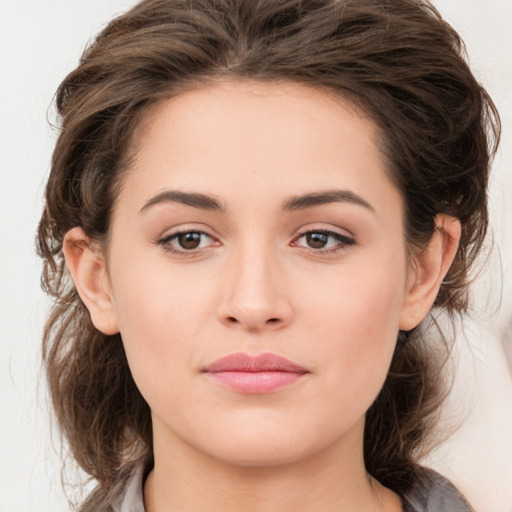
(257, 283)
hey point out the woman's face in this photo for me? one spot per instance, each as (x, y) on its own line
(258, 218)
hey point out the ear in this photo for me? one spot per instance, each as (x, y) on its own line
(428, 271)
(86, 264)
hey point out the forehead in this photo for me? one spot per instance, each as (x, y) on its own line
(249, 137)
(254, 110)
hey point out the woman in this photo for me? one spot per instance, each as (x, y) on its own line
(252, 209)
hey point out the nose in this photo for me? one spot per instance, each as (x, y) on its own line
(254, 296)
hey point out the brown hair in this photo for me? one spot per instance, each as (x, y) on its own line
(395, 59)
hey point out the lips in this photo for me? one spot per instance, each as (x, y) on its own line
(264, 373)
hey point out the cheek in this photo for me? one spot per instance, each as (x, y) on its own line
(357, 327)
(153, 300)
(160, 320)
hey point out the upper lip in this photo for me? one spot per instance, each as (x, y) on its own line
(241, 362)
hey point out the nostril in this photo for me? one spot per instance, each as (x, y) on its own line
(233, 320)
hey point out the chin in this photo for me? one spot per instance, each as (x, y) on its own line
(256, 455)
(267, 446)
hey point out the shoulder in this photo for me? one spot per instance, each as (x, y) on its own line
(133, 500)
(432, 492)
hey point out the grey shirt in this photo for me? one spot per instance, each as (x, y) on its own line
(433, 493)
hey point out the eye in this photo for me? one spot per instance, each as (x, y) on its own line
(323, 241)
(186, 241)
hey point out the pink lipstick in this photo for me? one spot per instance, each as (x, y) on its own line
(264, 373)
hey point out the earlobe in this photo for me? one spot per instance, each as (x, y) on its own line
(87, 267)
(430, 267)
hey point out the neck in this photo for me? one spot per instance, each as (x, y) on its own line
(333, 479)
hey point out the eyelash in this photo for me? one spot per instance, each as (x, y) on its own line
(343, 241)
(165, 242)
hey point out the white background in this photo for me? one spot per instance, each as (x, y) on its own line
(40, 41)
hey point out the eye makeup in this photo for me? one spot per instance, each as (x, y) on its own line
(321, 241)
(191, 242)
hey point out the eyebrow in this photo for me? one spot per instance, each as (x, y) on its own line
(294, 203)
(193, 199)
(325, 197)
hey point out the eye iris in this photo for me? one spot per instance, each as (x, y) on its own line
(189, 240)
(316, 240)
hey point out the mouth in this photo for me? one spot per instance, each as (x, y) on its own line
(260, 374)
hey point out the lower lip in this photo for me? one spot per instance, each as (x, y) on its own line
(256, 382)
